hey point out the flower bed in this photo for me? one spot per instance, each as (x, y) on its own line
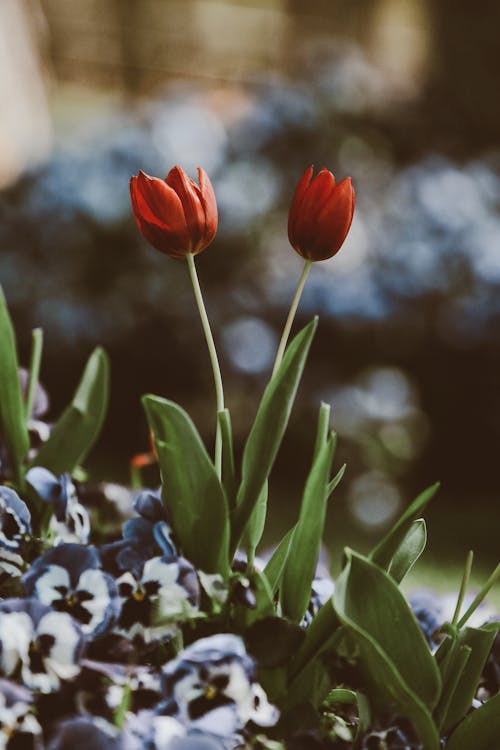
(176, 635)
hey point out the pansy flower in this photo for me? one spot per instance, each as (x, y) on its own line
(15, 529)
(19, 727)
(156, 595)
(144, 537)
(211, 674)
(157, 732)
(15, 520)
(81, 732)
(42, 646)
(68, 578)
(70, 521)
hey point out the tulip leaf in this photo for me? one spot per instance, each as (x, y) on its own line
(77, 429)
(12, 417)
(192, 490)
(478, 642)
(256, 523)
(305, 544)
(228, 467)
(334, 483)
(322, 633)
(394, 657)
(480, 730)
(409, 550)
(386, 549)
(276, 563)
(268, 429)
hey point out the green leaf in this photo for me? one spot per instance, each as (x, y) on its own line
(256, 523)
(451, 671)
(77, 429)
(305, 544)
(268, 429)
(276, 564)
(478, 641)
(398, 666)
(409, 550)
(480, 730)
(12, 418)
(273, 640)
(321, 634)
(194, 495)
(334, 483)
(385, 550)
(228, 467)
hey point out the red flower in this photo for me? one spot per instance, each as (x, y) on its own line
(320, 215)
(175, 215)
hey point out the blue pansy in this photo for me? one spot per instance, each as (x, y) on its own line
(15, 520)
(156, 595)
(70, 521)
(212, 683)
(43, 646)
(19, 727)
(85, 732)
(68, 578)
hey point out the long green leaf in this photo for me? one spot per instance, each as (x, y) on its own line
(256, 523)
(393, 655)
(228, 467)
(268, 429)
(324, 630)
(385, 550)
(305, 544)
(409, 550)
(479, 641)
(12, 419)
(77, 429)
(194, 494)
(480, 730)
(276, 563)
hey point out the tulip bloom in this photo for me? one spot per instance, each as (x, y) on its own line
(177, 216)
(320, 215)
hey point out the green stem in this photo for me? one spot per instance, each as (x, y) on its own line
(463, 586)
(494, 577)
(219, 392)
(291, 316)
(34, 371)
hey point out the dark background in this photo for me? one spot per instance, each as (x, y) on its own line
(400, 94)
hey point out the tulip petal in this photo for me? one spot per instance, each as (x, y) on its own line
(334, 220)
(189, 196)
(297, 199)
(158, 203)
(209, 203)
(306, 224)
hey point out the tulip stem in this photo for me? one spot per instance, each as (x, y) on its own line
(291, 316)
(219, 392)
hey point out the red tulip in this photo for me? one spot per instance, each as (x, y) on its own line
(177, 216)
(320, 215)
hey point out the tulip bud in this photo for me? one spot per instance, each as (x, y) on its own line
(175, 215)
(320, 215)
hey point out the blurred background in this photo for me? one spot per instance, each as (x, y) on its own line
(400, 94)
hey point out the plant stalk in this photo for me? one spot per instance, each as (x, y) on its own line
(219, 391)
(291, 316)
